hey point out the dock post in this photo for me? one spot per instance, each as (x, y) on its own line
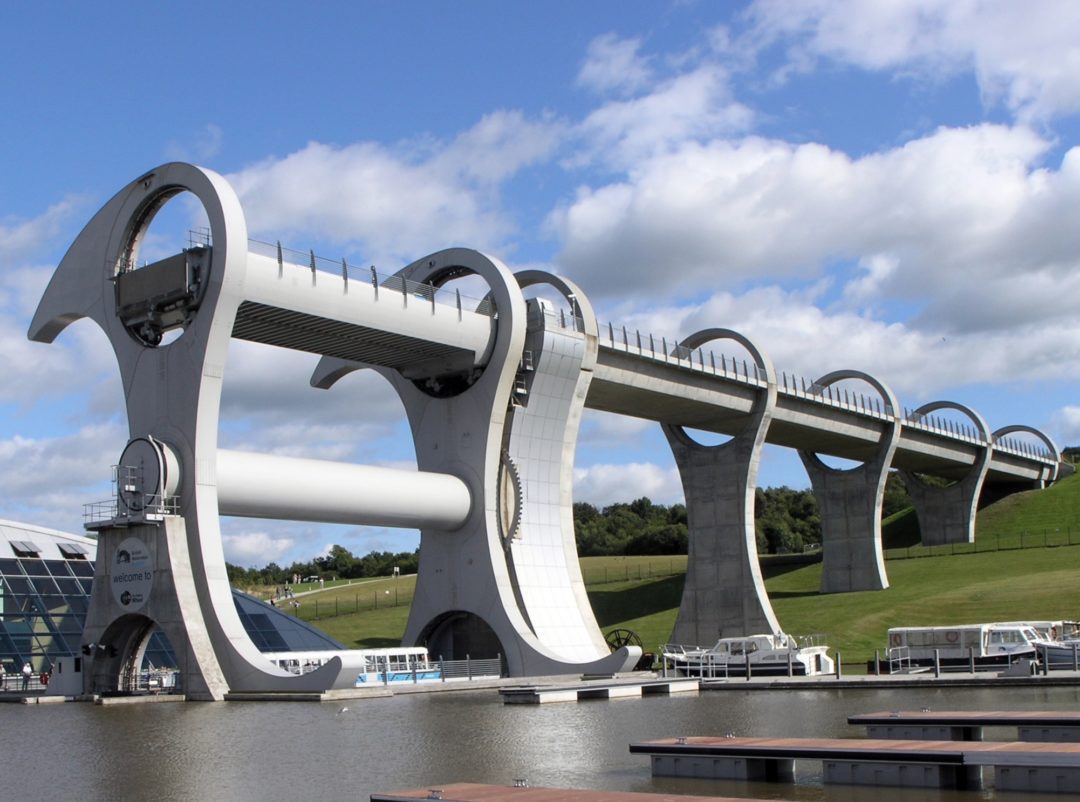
(789, 666)
(971, 659)
(839, 666)
(877, 662)
(748, 666)
(1076, 667)
(937, 663)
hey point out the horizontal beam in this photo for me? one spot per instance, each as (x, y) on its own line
(291, 488)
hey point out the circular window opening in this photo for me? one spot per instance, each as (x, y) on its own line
(455, 287)
(162, 274)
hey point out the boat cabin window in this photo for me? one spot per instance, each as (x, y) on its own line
(1007, 636)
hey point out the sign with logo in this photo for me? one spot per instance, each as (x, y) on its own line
(132, 574)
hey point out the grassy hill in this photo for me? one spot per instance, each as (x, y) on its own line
(1025, 564)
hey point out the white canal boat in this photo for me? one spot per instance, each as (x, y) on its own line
(761, 655)
(381, 666)
(985, 645)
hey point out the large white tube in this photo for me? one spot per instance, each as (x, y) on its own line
(290, 488)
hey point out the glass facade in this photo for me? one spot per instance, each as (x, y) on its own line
(45, 582)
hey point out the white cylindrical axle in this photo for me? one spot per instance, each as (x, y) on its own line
(295, 489)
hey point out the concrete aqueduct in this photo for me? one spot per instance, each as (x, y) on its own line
(494, 394)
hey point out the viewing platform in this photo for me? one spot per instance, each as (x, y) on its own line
(967, 725)
(1018, 766)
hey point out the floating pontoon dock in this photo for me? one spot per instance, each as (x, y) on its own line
(599, 689)
(471, 792)
(967, 725)
(1018, 766)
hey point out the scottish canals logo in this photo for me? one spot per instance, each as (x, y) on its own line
(132, 574)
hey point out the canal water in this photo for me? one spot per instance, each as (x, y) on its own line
(345, 751)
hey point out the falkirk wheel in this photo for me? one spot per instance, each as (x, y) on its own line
(497, 576)
(494, 392)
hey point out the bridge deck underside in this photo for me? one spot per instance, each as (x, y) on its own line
(319, 335)
(797, 423)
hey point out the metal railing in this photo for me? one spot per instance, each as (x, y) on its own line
(899, 659)
(153, 508)
(403, 289)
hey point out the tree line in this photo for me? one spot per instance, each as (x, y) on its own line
(339, 563)
(785, 520)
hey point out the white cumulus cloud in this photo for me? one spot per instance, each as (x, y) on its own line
(604, 484)
(1025, 56)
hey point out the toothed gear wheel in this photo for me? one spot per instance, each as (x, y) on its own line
(510, 500)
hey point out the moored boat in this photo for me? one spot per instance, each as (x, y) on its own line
(761, 655)
(958, 646)
(1060, 654)
(381, 665)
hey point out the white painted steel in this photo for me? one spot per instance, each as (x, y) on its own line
(291, 488)
(327, 297)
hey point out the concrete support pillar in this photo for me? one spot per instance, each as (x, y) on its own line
(143, 577)
(947, 514)
(724, 594)
(849, 502)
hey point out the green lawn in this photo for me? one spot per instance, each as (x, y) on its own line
(1032, 584)
(992, 580)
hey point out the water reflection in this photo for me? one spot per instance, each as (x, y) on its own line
(258, 751)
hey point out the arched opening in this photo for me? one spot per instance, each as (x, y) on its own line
(164, 267)
(861, 393)
(133, 656)
(456, 286)
(458, 635)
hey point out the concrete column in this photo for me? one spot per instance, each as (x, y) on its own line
(849, 502)
(947, 514)
(155, 572)
(724, 594)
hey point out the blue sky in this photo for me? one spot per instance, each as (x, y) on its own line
(883, 187)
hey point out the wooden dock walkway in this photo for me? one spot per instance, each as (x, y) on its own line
(967, 725)
(473, 792)
(1018, 766)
